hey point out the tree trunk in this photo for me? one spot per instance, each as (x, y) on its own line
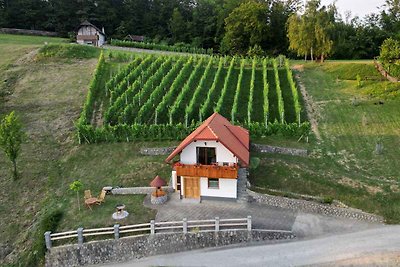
(312, 54)
(15, 173)
(77, 197)
(322, 58)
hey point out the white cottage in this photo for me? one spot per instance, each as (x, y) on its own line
(210, 158)
(90, 34)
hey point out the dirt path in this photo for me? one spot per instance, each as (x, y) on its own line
(139, 50)
(311, 106)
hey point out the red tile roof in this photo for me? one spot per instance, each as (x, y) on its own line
(218, 128)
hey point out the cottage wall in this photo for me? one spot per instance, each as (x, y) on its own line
(188, 154)
(227, 188)
(87, 30)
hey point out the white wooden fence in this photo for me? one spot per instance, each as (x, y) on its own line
(152, 228)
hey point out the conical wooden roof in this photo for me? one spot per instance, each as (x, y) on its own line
(157, 182)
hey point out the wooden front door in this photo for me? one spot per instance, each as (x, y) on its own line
(192, 187)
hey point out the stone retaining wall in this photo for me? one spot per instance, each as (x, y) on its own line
(27, 32)
(313, 207)
(130, 248)
(155, 151)
(138, 190)
(279, 150)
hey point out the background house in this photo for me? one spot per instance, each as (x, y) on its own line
(134, 38)
(210, 158)
(89, 34)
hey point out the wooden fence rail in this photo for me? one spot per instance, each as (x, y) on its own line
(152, 228)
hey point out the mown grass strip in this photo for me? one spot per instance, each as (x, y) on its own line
(251, 93)
(237, 92)
(265, 92)
(289, 105)
(281, 105)
(257, 113)
(243, 99)
(273, 98)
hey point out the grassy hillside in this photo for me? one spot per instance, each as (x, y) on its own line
(344, 164)
(47, 90)
(48, 94)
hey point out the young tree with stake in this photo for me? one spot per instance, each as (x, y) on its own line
(11, 137)
(76, 186)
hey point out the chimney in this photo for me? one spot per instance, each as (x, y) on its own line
(102, 29)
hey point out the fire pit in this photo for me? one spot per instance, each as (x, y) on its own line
(121, 213)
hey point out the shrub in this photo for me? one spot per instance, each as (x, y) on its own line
(254, 163)
(49, 222)
(327, 200)
(68, 51)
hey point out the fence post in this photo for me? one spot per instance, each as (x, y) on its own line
(216, 224)
(47, 239)
(80, 235)
(152, 227)
(248, 223)
(184, 224)
(116, 231)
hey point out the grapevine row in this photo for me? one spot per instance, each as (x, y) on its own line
(194, 102)
(205, 107)
(122, 100)
(250, 103)
(225, 88)
(297, 106)
(281, 108)
(177, 108)
(147, 110)
(123, 74)
(133, 76)
(129, 113)
(162, 107)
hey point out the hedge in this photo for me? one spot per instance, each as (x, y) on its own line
(142, 132)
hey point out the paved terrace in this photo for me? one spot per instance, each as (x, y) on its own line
(263, 216)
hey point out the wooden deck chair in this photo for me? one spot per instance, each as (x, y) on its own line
(88, 194)
(101, 197)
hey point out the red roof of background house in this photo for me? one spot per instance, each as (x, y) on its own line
(218, 128)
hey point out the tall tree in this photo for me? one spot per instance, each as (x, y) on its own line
(177, 26)
(308, 33)
(11, 137)
(390, 17)
(245, 27)
(278, 14)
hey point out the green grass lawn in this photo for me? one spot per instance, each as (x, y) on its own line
(344, 164)
(48, 95)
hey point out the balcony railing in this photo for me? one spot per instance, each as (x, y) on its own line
(210, 171)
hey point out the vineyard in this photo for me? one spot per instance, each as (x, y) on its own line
(166, 97)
